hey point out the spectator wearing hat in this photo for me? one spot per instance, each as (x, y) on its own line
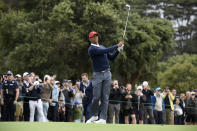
(192, 109)
(169, 107)
(141, 99)
(87, 93)
(148, 107)
(19, 104)
(114, 102)
(100, 57)
(9, 97)
(68, 95)
(25, 91)
(158, 106)
(35, 102)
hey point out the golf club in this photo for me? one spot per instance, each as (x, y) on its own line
(125, 28)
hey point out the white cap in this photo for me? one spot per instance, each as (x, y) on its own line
(145, 83)
(192, 93)
(36, 83)
(25, 74)
(57, 82)
(139, 88)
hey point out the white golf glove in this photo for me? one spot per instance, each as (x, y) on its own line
(120, 48)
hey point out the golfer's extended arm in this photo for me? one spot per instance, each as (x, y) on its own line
(97, 50)
(112, 56)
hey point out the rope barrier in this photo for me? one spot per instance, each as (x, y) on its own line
(109, 101)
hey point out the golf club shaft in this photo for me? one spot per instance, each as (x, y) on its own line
(125, 28)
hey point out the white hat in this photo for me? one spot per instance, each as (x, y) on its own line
(36, 83)
(192, 93)
(47, 76)
(25, 74)
(139, 88)
(18, 75)
(145, 83)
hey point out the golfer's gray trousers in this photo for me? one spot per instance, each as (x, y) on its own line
(101, 82)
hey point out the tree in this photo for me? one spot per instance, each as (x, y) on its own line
(55, 39)
(179, 72)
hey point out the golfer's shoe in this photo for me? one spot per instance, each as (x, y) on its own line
(100, 121)
(92, 119)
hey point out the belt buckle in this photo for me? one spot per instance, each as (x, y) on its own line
(103, 71)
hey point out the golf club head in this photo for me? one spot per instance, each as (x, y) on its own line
(127, 7)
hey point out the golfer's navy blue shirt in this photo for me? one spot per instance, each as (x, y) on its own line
(100, 55)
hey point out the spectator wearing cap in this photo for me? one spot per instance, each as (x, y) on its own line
(35, 102)
(9, 97)
(139, 105)
(68, 95)
(148, 107)
(100, 57)
(192, 109)
(158, 106)
(114, 102)
(25, 91)
(19, 104)
(46, 94)
(169, 107)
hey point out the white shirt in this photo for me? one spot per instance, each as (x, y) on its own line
(95, 45)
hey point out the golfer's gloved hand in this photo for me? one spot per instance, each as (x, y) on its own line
(120, 48)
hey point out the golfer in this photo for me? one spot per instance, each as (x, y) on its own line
(101, 79)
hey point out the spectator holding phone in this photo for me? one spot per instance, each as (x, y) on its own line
(114, 102)
(169, 107)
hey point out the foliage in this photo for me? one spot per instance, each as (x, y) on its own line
(51, 37)
(179, 72)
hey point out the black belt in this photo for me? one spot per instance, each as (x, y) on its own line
(34, 99)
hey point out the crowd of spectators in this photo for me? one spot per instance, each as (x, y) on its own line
(29, 98)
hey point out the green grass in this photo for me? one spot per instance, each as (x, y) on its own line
(62, 126)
